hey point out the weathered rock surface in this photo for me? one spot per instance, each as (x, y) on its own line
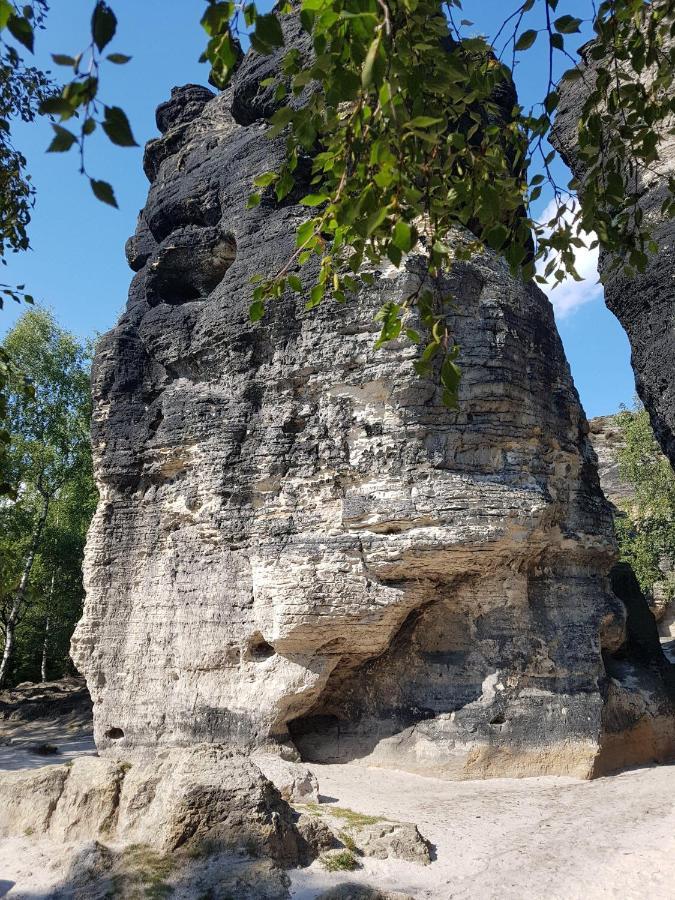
(174, 799)
(296, 542)
(351, 891)
(639, 711)
(607, 441)
(398, 840)
(294, 781)
(97, 871)
(644, 304)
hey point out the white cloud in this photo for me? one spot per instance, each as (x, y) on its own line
(571, 294)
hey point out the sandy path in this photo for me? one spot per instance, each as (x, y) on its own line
(17, 744)
(503, 839)
(529, 839)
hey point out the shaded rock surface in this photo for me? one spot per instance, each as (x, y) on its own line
(296, 542)
(645, 303)
(607, 441)
(639, 710)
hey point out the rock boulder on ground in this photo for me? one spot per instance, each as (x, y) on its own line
(202, 797)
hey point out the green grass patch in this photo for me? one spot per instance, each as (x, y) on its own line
(353, 818)
(344, 861)
(348, 841)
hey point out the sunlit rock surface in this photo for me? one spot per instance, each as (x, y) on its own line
(297, 546)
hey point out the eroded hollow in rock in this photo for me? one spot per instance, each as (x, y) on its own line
(115, 734)
(189, 266)
(258, 648)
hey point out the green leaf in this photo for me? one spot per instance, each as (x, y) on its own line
(314, 199)
(264, 180)
(116, 126)
(369, 63)
(403, 236)
(390, 316)
(256, 310)
(216, 17)
(423, 122)
(56, 106)
(527, 39)
(450, 376)
(567, 25)
(119, 59)
(21, 30)
(375, 219)
(268, 34)
(551, 102)
(62, 141)
(253, 201)
(6, 10)
(103, 25)
(315, 296)
(304, 232)
(62, 60)
(294, 283)
(103, 192)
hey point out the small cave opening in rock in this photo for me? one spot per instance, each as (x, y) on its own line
(114, 734)
(498, 719)
(312, 733)
(190, 271)
(258, 648)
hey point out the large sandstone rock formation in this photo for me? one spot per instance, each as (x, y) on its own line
(297, 545)
(644, 304)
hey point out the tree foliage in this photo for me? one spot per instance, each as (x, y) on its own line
(646, 531)
(398, 157)
(42, 530)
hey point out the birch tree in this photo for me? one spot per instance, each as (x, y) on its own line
(50, 453)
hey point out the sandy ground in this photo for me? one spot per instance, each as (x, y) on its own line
(507, 839)
(32, 715)
(17, 745)
(526, 839)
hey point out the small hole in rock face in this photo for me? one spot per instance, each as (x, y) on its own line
(258, 648)
(498, 719)
(114, 734)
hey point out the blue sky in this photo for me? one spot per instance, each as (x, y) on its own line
(77, 265)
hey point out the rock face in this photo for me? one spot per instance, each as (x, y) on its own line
(607, 441)
(296, 543)
(644, 304)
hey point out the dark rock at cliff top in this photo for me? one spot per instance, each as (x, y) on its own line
(645, 303)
